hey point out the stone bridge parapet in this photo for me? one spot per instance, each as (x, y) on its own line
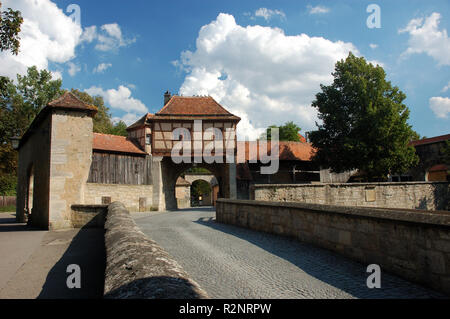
(136, 267)
(412, 244)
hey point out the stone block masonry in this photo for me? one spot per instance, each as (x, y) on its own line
(411, 195)
(412, 244)
(134, 197)
(137, 268)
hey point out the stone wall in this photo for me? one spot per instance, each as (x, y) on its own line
(34, 169)
(411, 195)
(70, 162)
(88, 216)
(413, 244)
(134, 197)
(136, 267)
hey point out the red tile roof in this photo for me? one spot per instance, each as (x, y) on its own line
(182, 182)
(194, 106)
(141, 122)
(288, 151)
(69, 100)
(115, 143)
(438, 167)
(431, 140)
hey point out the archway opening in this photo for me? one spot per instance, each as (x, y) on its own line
(196, 187)
(201, 193)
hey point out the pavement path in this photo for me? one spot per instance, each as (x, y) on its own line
(33, 263)
(233, 262)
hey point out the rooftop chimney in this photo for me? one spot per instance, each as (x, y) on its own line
(167, 97)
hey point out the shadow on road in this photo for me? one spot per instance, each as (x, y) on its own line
(8, 224)
(86, 250)
(325, 265)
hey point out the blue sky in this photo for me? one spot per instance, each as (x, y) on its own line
(262, 60)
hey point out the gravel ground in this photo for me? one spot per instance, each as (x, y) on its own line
(233, 262)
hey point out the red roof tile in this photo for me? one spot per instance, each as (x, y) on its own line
(288, 151)
(182, 182)
(115, 143)
(141, 122)
(193, 106)
(69, 100)
(438, 167)
(431, 140)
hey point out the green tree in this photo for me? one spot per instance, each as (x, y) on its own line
(200, 188)
(287, 132)
(10, 22)
(120, 128)
(19, 104)
(364, 122)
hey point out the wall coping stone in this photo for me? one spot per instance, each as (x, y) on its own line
(88, 206)
(316, 184)
(440, 218)
(137, 267)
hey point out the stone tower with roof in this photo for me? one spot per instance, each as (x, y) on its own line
(63, 164)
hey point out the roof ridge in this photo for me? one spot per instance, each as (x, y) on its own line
(110, 134)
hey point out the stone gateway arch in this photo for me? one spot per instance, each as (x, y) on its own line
(63, 164)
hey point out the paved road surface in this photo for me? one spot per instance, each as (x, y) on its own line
(232, 262)
(33, 263)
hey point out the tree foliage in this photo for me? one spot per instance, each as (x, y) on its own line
(364, 122)
(10, 22)
(287, 132)
(200, 188)
(20, 102)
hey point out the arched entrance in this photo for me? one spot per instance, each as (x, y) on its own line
(196, 187)
(171, 171)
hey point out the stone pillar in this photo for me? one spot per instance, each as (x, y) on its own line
(70, 162)
(232, 180)
(158, 202)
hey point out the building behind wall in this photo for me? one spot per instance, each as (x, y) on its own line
(62, 163)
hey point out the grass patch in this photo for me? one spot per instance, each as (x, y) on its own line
(8, 209)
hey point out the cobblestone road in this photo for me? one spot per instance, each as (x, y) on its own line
(233, 262)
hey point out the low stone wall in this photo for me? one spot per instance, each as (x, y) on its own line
(411, 195)
(136, 267)
(413, 244)
(134, 197)
(88, 216)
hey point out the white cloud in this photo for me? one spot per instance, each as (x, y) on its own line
(373, 45)
(56, 75)
(440, 106)
(73, 68)
(108, 38)
(267, 14)
(259, 73)
(41, 42)
(445, 89)
(317, 9)
(425, 37)
(128, 118)
(102, 67)
(119, 99)
(89, 34)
